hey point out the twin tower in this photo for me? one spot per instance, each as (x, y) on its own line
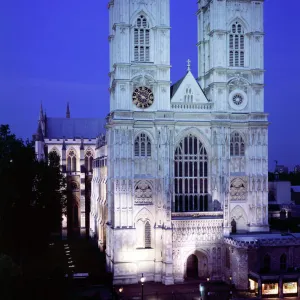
(187, 163)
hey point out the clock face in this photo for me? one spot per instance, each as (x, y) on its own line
(143, 97)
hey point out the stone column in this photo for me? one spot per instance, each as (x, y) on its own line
(280, 287)
(259, 287)
(82, 187)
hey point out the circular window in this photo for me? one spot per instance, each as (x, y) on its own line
(238, 100)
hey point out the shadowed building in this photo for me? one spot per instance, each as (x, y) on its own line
(74, 140)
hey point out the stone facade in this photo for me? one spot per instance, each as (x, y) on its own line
(221, 181)
(179, 186)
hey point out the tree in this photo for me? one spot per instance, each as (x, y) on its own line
(50, 192)
(33, 197)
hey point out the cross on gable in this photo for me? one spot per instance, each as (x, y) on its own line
(189, 65)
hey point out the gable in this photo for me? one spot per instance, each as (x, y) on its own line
(187, 90)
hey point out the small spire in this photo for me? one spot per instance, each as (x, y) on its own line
(81, 144)
(68, 111)
(39, 134)
(64, 147)
(188, 65)
(41, 113)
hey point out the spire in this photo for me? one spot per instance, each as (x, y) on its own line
(39, 134)
(188, 65)
(41, 118)
(68, 111)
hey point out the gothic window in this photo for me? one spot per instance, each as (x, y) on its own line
(283, 262)
(191, 176)
(237, 46)
(143, 234)
(237, 145)
(141, 40)
(142, 146)
(88, 161)
(147, 235)
(71, 161)
(188, 97)
(267, 263)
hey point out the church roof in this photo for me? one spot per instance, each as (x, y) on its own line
(178, 89)
(89, 128)
(176, 85)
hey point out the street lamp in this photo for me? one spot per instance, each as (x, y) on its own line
(120, 292)
(230, 287)
(142, 282)
(208, 289)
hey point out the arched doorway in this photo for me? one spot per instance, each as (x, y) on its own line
(192, 267)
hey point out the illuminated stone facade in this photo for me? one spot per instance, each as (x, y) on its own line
(179, 184)
(188, 161)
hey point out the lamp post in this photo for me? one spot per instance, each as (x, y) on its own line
(142, 282)
(208, 289)
(120, 292)
(230, 287)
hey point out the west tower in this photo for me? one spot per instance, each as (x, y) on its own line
(231, 72)
(139, 236)
(139, 54)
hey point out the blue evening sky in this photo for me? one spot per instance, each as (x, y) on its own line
(54, 51)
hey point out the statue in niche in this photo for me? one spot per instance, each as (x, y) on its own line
(233, 226)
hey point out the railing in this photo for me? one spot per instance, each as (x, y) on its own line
(192, 106)
(214, 214)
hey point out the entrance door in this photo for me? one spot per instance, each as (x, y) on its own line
(192, 266)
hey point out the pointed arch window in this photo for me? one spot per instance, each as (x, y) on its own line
(147, 235)
(88, 161)
(188, 95)
(237, 145)
(283, 261)
(141, 39)
(237, 46)
(142, 146)
(191, 176)
(71, 161)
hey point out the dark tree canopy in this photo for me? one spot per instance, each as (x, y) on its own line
(33, 197)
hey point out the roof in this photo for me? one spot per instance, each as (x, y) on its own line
(176, 85)
(89, 128)
(264, 236)
(296, 188)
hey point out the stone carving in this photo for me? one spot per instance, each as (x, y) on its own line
(191, 231)
(238, 83)
(143, 193)
(238, 189)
